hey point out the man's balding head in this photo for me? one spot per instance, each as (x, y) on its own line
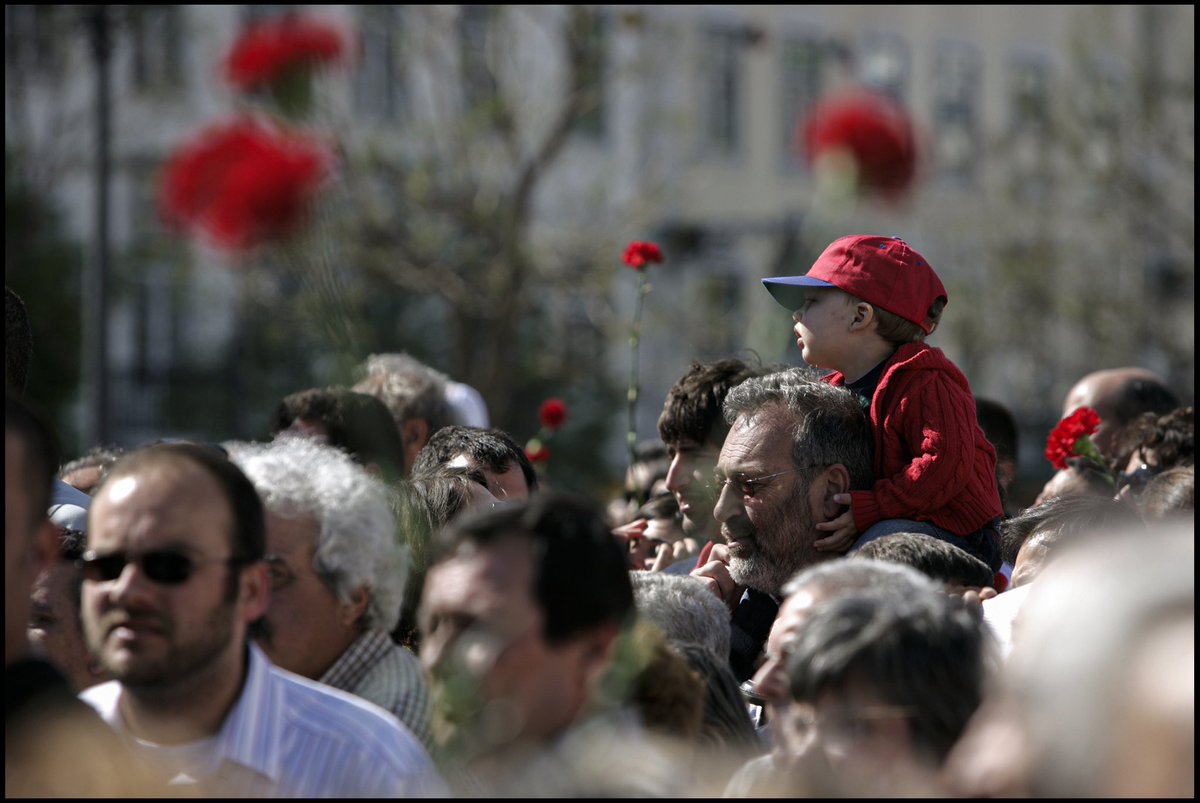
(1118, 395)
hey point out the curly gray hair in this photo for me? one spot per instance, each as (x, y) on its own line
(357, 545)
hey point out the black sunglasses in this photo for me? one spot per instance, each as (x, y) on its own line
(164, 566)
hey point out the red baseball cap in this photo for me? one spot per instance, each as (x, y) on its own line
(883, 271)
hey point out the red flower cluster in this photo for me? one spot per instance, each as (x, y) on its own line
(637, 255)
(876, 132)
(552, 414)
(269, 50)
(1067, 438)
(242, 183)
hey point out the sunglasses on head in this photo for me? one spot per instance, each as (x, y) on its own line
(164, 566)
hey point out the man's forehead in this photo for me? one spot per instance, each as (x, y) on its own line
(755, 438)
(486, 573)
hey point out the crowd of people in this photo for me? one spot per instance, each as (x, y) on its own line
(815, 582)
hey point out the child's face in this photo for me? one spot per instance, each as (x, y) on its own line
(823, 327)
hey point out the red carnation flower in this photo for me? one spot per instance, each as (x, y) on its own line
(1072, 437)
(873, 129)
(266, 52)
(242, 183)
(638, 254)
(552, 414)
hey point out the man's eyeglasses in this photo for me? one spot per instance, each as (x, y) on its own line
(749, 486)
(164, 566)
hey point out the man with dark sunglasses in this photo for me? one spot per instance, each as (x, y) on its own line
(173, 580)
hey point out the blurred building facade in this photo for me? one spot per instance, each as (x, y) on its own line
(1055, 188)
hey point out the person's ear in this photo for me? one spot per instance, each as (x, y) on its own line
(256, 591)
(833, 481)
(414, 432)
(599, 645)
(864, 314)
(353, 611)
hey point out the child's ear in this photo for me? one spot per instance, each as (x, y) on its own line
(864, 313)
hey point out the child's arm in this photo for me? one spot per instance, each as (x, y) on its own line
(843, 532)
(938, 425)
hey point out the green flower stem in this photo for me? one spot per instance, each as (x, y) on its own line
(1085, 448)
(631, 397)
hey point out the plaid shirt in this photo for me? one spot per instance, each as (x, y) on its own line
(387, 674)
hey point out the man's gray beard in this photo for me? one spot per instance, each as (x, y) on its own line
(759, 573)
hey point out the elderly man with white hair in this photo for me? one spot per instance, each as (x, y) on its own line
(337, 576)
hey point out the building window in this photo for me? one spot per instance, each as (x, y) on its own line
(1029, 89)
(721, 49)
(475, 27)
(1029, 94)
(1101, 115)
(883, 64)
(156, 34)
(379, 86)
(259, 12)
(801, 62)
(955, 113)
(595, 34)
(33, 36)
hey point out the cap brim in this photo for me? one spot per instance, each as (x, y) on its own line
(789, 290)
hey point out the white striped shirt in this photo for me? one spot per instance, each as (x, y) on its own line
(287, 736)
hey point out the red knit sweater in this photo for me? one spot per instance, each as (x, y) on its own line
(935, 463)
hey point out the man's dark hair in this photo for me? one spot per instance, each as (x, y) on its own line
(928, 655)
(41, 451)
(663, 506)
(1142, 395)
(18, 342)
(1168, 439)
(249, 538)
(358, 424)
(490, 448)
(581, 579)
(931, 556)
(693, 408)
(1064, 516)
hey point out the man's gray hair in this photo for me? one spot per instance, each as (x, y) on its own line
(356, 545)
(683, 609)
(852, 576)
(409, 388)
(831, 425)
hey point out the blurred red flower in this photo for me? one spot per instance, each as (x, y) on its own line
(638, 254)
(552, 414)
(537, 452)
(242, 183)
(873, 129)
(1072, 437)
(267, 51)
